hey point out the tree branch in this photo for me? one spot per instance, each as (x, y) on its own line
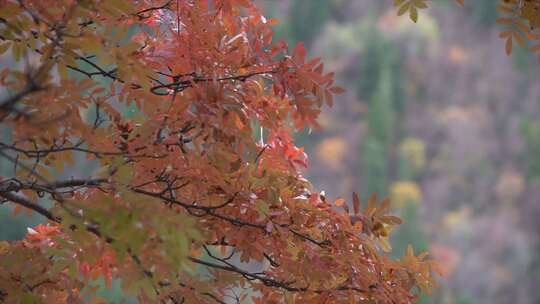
(20, 200)
(15, 185)
(8, 105)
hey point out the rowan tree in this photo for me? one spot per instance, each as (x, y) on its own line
(184, 112)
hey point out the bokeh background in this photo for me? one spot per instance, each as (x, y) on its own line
(435, 116)
(440, 119)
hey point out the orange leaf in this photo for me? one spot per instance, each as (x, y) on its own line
(384, 205)
(508, 46)
(391, 219)
(339, 202)
(372, 200)
(535, 48)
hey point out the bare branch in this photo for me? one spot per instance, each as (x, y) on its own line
(20, 200)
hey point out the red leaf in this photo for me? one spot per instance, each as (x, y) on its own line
(337, 90)
(329, 98)
(299, 53)
(356, 203)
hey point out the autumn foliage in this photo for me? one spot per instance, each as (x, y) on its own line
(520, 20)
(184, 112)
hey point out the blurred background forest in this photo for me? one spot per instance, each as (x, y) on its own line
(440, 119)
(435, 116)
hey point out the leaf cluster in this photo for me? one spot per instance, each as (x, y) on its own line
(519, 19)
(153, 107)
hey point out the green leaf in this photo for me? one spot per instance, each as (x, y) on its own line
(28, 298)
(4, 47)
(262, 207)
(420, 4)
(403, 9)
(413, 13)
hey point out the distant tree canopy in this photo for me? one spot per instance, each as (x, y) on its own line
(520, 20)
(178, 116)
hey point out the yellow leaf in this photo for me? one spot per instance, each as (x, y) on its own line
(391, 219)
(3, 246)
(385, 245)
(410, 251)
